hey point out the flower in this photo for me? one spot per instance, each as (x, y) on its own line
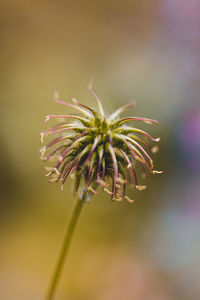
(98, 150)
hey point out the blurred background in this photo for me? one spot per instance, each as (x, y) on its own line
(147, 50)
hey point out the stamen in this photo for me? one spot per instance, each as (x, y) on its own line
(42, 137)
(43, 150)
(85, 106)
(132, 149)
(118, 199)
(139, 131)
(132, 169)
(72, 105)
(96, 142)
(107, 191)
(141, 187)
(120, 180)
(121, 109)
(129, 199)
(84, 121)
(101, 182)
(140, 147)
(155, 149)
(69, 148)
(115, 167)
(55, 151)
(100, 154)
(92, 190)
(99, 104)
(145, 120)
(90, 169)
(51, 180)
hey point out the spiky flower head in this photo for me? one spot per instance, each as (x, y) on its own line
(98, 150)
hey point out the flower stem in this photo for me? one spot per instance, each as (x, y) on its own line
(65, 248)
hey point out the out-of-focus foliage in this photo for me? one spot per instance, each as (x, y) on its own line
(143, 50)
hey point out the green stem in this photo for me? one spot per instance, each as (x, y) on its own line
(65, 248)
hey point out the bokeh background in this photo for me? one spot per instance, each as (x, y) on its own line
(147, 50)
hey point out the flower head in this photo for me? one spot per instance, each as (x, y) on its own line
(98, 150)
